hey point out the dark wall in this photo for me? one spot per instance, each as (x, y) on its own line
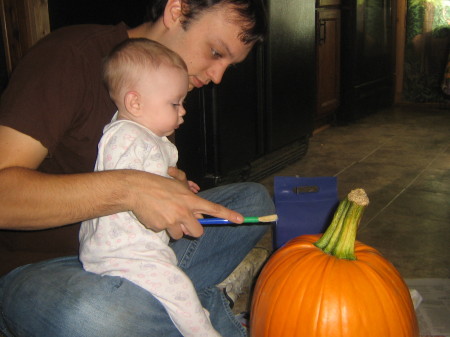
(69, 12)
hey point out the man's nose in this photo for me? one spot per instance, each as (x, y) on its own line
(216, 72)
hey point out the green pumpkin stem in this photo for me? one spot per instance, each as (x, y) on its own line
(339, 238)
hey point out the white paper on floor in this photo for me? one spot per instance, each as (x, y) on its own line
(432, 303)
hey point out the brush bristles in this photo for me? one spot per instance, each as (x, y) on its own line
(268, 218)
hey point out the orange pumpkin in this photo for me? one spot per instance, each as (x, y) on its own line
(332, 287)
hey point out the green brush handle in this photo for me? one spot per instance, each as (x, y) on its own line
(251, 219)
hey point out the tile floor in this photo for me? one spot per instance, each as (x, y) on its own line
(401, 157)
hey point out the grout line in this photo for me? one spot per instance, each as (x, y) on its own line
(345, 168)
(407, 186)
(360, 160)
(371, 153)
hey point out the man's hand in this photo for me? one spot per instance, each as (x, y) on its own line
(166, 204)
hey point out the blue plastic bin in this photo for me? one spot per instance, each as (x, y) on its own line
(304, 206)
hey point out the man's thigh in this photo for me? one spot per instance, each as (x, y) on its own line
(58, 298)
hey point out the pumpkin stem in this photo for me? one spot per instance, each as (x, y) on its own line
(339, 238)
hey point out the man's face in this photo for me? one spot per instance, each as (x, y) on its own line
(209, 45)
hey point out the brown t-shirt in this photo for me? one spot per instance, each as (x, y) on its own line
(56, 96)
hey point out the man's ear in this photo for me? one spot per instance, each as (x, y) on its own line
(133, 103)
(172, 12)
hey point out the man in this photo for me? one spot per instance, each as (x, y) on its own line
(51, 118)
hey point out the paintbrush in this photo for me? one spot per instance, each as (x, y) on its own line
(248, 219)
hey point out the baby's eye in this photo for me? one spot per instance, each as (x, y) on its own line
(215, 53)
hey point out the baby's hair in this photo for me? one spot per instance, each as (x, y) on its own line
(125, 64)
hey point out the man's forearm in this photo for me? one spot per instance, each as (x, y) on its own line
(33, 200)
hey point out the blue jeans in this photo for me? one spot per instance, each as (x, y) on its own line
(57, 298)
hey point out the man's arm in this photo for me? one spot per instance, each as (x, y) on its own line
(33, 200)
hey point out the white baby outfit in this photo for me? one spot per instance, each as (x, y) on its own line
(119, 245)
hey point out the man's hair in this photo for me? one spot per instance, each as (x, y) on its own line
(251, 15)
(125, 64)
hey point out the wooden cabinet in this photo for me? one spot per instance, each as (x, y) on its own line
(368, 57)
(24, 22)
(223, 130)
(328, 64)
(289, 72)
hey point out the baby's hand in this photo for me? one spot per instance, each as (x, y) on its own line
(193, 187)
(179, 175)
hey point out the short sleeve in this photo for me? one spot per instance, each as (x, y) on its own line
(44, 93)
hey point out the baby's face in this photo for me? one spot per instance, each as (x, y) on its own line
(162, 94)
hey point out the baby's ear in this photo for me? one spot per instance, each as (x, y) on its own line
(133, 103)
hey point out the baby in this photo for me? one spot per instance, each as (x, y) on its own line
(148, 84)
